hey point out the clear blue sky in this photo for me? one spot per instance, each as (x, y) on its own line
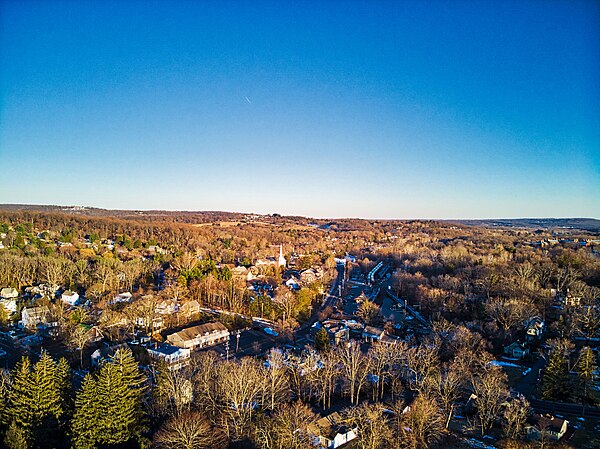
(425, 109)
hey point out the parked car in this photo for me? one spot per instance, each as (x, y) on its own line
(270, 331)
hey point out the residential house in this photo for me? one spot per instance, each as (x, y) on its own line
(122, 297)
(308, 276)
(9, 293)
(330, 432)
(95, 334)
(174, 357)
(547, 426)
(70, 297)
(201, 336)
(40, 320)
(33, 316)
(190, 308)
(10, 305)
(293, 283)
(239, 272)
(534, 327)
(371, 334)
(337, 331)
(106, 353)
(167, 307)
(516, 350)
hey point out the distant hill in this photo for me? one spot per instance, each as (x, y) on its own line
(584, 224)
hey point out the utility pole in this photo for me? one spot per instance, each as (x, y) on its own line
(227, 348)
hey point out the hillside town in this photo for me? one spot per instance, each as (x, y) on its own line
(274, 332)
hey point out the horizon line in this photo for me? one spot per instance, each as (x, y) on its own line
(2, 205)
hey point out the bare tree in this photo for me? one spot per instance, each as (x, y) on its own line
(239, 389)
(78, 338)
(420, 424)
(354, 367)
(189, 431)
(371, 425)
(275, 381)
(288, 428)
(515, 415)
(491, 391)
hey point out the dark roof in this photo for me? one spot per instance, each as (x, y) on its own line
(165, 348)
(548, 422)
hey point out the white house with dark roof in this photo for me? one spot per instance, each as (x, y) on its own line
(174, 357)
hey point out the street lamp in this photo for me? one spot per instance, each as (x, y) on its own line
(237, 343)
(227, 348)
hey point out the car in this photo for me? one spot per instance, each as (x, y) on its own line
(271, 332)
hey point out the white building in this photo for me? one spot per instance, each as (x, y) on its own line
(281, 261)
(199, 336)
(70, 297)
(122, 297)
(173, 356)
(9, 293)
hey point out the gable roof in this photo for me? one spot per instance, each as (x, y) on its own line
(191, 333)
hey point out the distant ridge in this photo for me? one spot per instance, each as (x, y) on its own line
(583, 224)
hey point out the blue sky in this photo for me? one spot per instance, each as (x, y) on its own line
(425, 109)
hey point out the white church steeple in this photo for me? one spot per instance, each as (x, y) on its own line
(281, 262)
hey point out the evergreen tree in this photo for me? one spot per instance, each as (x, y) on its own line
(20, 399)
(556, 377)
(86, 419)
(17, 437)
(586, 368)
(322, 340)
(4, 391)
(109, 409)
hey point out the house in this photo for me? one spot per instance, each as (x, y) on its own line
(70, 297)
(122, 297)
(174, 357)
(240, 272)
(167, 307)
(337, 330)
(330, 432)
(534, 327)
(516, 350)
(95, 334)
(372, 333)
(293, 283)
(34, 316)
(547, 426)
(10, 305)
(105, 353)
(308, 276)
(190, 308)
(9, 293)
(208, 334)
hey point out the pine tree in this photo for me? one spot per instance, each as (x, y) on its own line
(20, 398)
(109, 408)
(586, 368)
(17, 437)
(36, 400)
(86, 418)
(556, 377)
